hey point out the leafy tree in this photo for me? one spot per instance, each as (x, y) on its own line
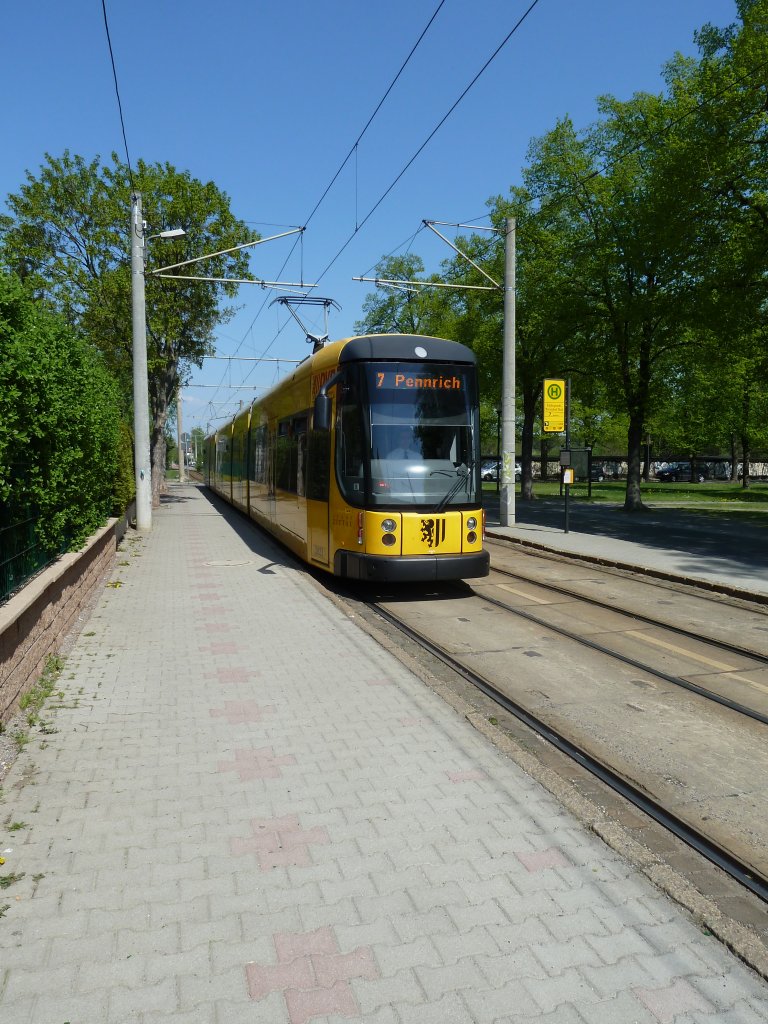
(722, 143)
(60, 426)
(634, 252)
(402, 310)
(198, 446)
(69, 239)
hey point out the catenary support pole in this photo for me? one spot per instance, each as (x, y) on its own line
(507, 497)
(179, 441)
(142, 464)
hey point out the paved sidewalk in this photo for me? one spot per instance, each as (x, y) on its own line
(663, 559)
(251, 812)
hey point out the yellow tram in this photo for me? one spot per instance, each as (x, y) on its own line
(365, 461)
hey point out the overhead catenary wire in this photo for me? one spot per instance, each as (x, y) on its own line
(431, 135)
(381, 102)
(117, 94)
(552, 198)
(342, 165)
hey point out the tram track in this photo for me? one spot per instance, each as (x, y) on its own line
(735, 867)
(691, 759)
(604, 649)
(648, 620)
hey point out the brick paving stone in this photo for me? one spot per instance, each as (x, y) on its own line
(394, 990)
(53, 1008)
(519, 963)
(455, 945)
(281, 774)
(21, 984)
(562, 1015)
(623, 1008)
(739, 1014)
(498, 1004)
(720, 991)
(566, 989)
(439, 980)
(667, 1003)
(611, 978)
(130, 1001)
(20, 1011)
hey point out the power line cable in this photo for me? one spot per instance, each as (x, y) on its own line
(341, 167)
(609, 162)
(431, 135)
(117, 92)
(373, 115)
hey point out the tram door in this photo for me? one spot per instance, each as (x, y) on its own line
(317, 492)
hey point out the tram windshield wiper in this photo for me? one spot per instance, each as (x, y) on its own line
(461, 478)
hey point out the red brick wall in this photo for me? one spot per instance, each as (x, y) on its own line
(35, 623)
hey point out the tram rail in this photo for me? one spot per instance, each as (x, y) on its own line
(649, 620)
(600, 648)
(735, 867)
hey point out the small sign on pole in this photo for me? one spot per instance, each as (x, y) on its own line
(554, 406)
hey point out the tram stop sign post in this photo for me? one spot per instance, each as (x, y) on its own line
(556, 420)
(554, 406)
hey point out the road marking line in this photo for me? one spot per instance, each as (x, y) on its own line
(681, 650)
(520, 593)
(757, 686)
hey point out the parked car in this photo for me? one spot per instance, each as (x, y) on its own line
(674, 471)
(489, 470)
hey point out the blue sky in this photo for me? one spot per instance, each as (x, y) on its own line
(266, 100)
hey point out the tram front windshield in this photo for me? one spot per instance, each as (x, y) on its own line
(416, 446)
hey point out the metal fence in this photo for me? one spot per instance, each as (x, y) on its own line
(21, 556)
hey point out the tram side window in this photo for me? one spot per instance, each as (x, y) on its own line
(237, 456)
(223, 463)
(350, 444)
(285, 457)
(318, 464)
(299, 428)
(259, 449)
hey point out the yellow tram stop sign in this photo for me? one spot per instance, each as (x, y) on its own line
(554, 406)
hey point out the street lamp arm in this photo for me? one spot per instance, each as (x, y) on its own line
(223, 252)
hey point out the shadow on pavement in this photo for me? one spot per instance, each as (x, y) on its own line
(704, 533)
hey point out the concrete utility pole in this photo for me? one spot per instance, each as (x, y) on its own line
(179, 441)
(507, 497)
(142, 462)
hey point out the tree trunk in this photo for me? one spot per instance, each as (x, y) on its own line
(633, 501)
(161, 393)
(746, 452)
(734, 475)
(530, 400)
(158, 464)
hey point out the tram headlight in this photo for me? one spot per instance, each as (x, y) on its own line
(471, 523)
(471, 537)
(388, 526)
(389, 539)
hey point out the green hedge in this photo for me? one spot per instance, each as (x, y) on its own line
(63, 449)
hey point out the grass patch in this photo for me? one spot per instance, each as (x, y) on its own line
(8, 880)
(722, 493)
(33, 699)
